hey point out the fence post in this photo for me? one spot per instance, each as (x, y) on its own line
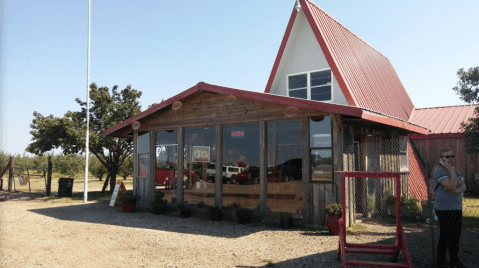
(10, 175)
(49, 176)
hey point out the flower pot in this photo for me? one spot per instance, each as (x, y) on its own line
(286, 223)
(128, 207)
(216, 215)
(159, 209)
(333, 224)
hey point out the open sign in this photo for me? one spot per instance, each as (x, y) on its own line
(201, 154)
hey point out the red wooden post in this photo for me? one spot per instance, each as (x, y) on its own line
(398, 207)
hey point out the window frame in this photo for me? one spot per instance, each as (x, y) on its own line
(308, 84)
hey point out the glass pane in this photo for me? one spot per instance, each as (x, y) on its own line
(320, 131)
(166, 159)
(321, 93)
(143, 143)
(298, 81)
(321, 164)
(300, 93)
(143, 165)
(200, 168)
(241, 165)
(320, 78)
(284, 166)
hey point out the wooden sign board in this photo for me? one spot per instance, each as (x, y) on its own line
(201, 154)
(114, 196)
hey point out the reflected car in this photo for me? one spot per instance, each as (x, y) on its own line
(250, 176)
(291, 169)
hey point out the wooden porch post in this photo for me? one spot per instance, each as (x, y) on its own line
(152, 179)
(10, 176)
(306, 166)
(263, 168)
(179, 166)
(49, 176)
(135, 163)
(219, 167)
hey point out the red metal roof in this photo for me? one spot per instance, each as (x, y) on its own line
(443, 120)
(300, 103)
(366, 77)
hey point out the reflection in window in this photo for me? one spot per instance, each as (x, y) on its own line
(199, 153)
(285, 188)
(143, 143)
(321, 148)
(143, 165)
(165, 164)
(241, 165)
(143, 149)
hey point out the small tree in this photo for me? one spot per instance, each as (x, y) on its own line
(126, 169)
(96, 168)
(108, 108)
(68, 165)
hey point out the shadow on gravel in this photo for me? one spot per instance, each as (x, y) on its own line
(102, 213)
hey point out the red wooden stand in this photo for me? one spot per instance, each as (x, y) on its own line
(392, 250)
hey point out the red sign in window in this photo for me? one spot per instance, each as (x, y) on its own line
(237, 134)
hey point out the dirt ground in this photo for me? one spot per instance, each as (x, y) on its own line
(36, 232)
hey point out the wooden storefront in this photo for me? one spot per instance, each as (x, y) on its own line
(217, 108)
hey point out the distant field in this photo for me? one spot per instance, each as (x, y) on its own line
(38, 183)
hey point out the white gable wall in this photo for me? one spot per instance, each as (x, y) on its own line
(302, 54)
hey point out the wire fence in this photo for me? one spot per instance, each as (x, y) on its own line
(372, 201)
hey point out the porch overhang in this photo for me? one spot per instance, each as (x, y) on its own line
(124, 129)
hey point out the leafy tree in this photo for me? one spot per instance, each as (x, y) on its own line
(68, 132)
(468, 89)
(96, 168)
(126, 169)
(468, 85)
(40, 161)
(4, 158)
(69, 165)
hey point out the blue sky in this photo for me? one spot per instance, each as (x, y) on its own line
(165, 47)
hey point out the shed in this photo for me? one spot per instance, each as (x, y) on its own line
(444, 125)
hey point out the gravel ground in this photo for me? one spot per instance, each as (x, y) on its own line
(38, 233)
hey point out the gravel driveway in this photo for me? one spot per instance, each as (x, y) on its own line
(38, 233)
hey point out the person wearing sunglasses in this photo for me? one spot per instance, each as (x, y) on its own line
(449, 186)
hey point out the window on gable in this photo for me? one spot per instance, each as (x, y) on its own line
(315, 85)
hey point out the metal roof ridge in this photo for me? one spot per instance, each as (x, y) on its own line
(447, 106)
(393, 117)
(346, 28)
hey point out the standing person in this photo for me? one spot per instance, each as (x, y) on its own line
(449, 186)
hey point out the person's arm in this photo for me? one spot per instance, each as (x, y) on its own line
(451, 183)
(461, 189)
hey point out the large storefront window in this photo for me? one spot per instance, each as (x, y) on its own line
(285, 187)
(166, 151)
(241, 165)
(321, 148)
(199, 153)
(143, 151)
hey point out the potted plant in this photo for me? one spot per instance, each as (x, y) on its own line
(286, 220)
(128, 202)
(183, 210)
(335, 212)
(244, 215)
(390, 201)
(159, 204)
(216, 213)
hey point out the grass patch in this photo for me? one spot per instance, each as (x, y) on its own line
(269, 263)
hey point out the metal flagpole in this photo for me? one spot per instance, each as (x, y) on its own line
(87, 136)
